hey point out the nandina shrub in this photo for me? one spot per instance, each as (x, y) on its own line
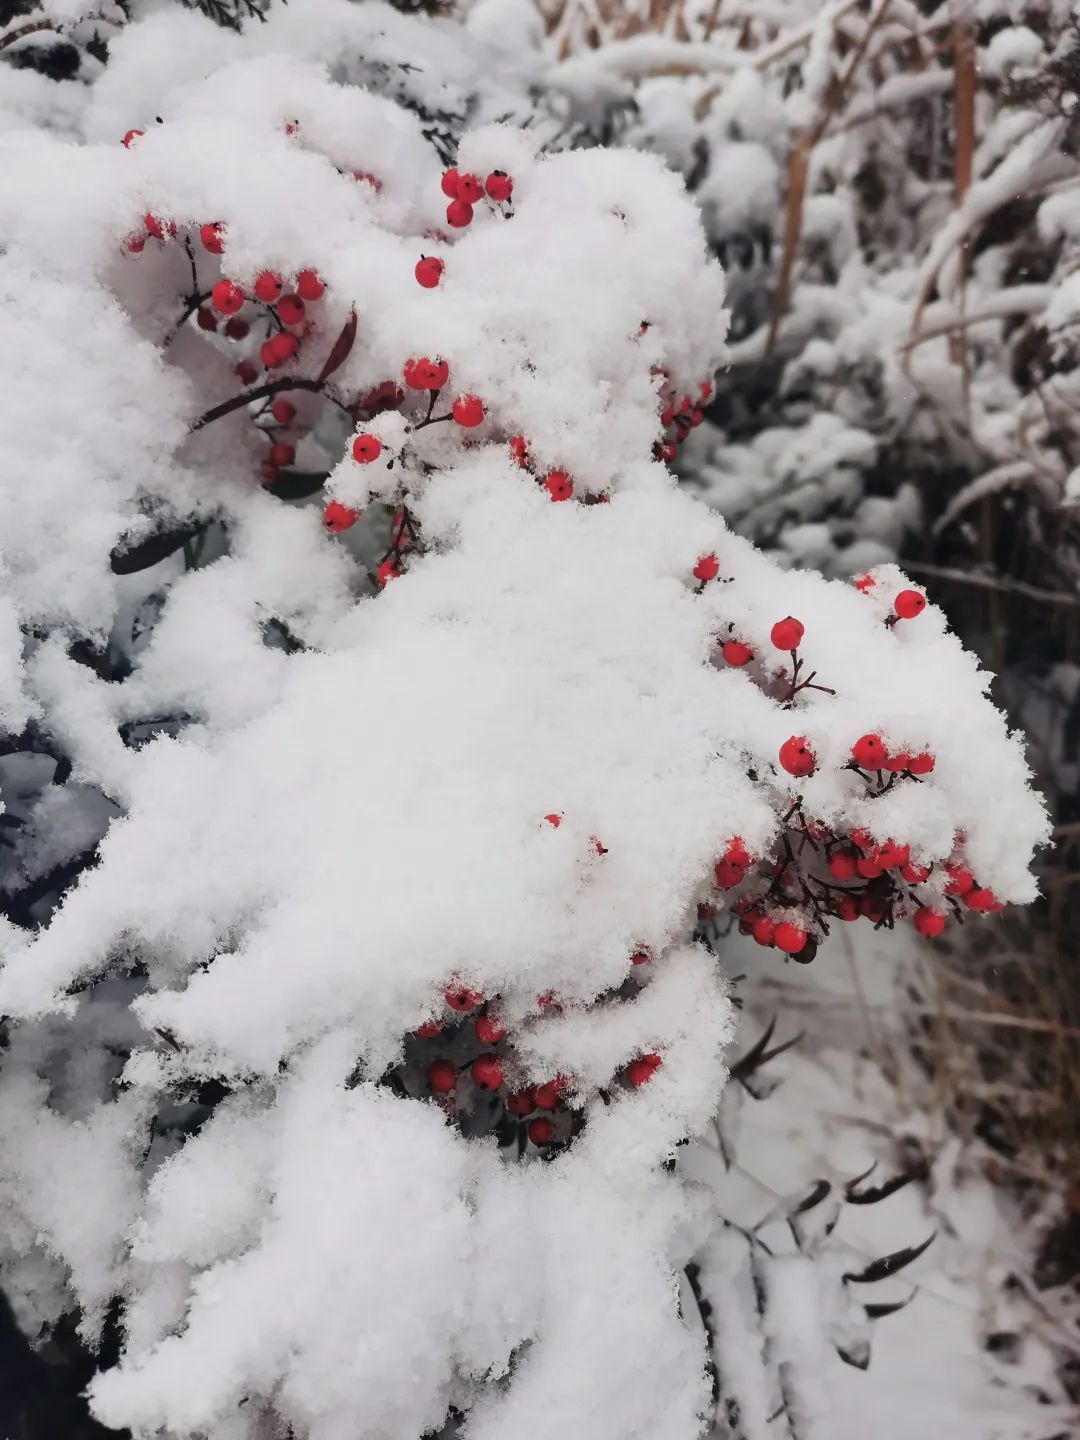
(426, 874)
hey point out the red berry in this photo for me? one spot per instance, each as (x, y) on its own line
(267, 286)
(863, 583)
(960, 880)
(460, 998)
(521, 1103)
(487, 1072)
(736, 653)
(541, 1131)
(245, 372)
(366, 448)
(554, 820)
(737, 852)
(386, 571)
(696, 417)
(796, 756)
(862, 839)
(428, 1030)
(914, 874)
(787, 634)
(519, 448)
(441, 1076)
(338, 517)
(309, 286)
(468, 411)
(909, 603)
(469, 188)
(666, 452)
(449, 184)
(131, 137)
(922, 763)
(891, 855)
(499, 186)
(290, 309)
(226, 297)
(869, 866)
(980, 898)
(897, 763)
(707, 568)
(789, 938)
(641, 1070)
(642, 957)
(459, 214)
(763, 930)
(869, 753)
(282, 453)
(135, 244)
(283, 347)
(237, 329)
(428, 271)
(842, 865)
(547, 1095)
(728, 874)
(928, 922)
(205, 319)
(154, 227)
(283, 411)
(704, 389)
(210, 236)
(488, 1029)
(846, 909)
(558, 485)
(873, 908)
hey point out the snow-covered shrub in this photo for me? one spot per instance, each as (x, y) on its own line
(419, 729)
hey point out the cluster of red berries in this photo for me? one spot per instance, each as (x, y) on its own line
(464, 190)
(679, 415)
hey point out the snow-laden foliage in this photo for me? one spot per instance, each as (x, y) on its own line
(892, 188)
(411, 798)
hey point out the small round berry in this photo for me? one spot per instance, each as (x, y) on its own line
(914, 874)
(468, 411)
(862, 839)
(267, 286)
(737, 853)
(338, 517)
(728, 874)
(210, 237)
(469, 188)
(283, 411)
(519, 449)
(928, 922)
(897, 761)
(869, 752)
(135, 244)
(366, 448)
(284, 347)
(441, 1076)
(863, 583)
(459, 213)
(846, 909)
(873, 908)
(763, 930)
(892, 855)
(488, 1029)
(487, 1072)
(736, 653)
(922, 763)
(541, 1131)
(309, 286)
(387, 570)
(707, 568)
(796, 756)
(499, 186)
(641, 1070)
(268, 354)
(547, 1095)
(842, 865)
(130, 138)
(980, 899)
(960, 880)
(449, 184)
(869, 866)
(667, 452)
(245, 372)
(640, 957)
(154, 227)
(787, 634)
(226, 297)
(282, 453)
(428, 1030)
(205, 319)
(789, 938)
(428, 271)
(460, 998)
(290, 309)
(521, 1103)
(909, 603)
(696, 417)
(553, 820)
(237, 329)
(558, 485)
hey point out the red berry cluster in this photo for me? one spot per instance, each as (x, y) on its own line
(464, 191)
(679, 414)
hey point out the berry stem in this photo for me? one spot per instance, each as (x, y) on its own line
(260, 392)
